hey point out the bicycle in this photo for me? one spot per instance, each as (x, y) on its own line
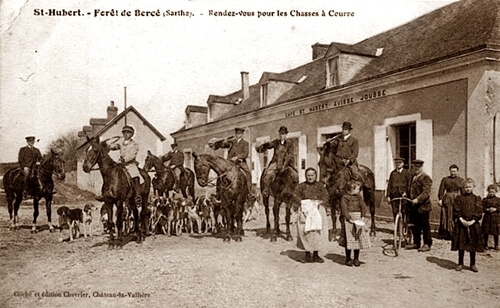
(401, 226)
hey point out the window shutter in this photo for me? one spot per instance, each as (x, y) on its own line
(302, 163)
(425, 144)
(381, 157)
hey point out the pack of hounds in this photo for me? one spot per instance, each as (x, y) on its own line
(169, 216)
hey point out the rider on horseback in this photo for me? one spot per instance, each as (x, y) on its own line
(128, 152)
(238, 152)
(176, 163)
(283, 148)
(347, 151)
(28, 157)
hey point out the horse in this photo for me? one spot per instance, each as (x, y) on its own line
(42, 186)
(118, 188)
(281, 189)
(165, 177)
(336, 180)
(232, 186)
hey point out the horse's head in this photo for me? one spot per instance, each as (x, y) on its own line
(151, 162)
(326, 162)
(202, 169)
(58, 165)
(93, 153)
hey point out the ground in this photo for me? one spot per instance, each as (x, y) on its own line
(37, 270)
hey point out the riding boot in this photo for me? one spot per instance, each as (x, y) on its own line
(137, 188)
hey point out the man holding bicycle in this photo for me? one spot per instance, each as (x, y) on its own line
(398, 185)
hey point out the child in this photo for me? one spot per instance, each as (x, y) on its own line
(467, 212)
(353, 236)
(491, 219)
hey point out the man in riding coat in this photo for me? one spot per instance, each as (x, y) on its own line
(28, 157)
(175, 160)
(347, 151)
(280, 145)
(128, 152)
(238, 152)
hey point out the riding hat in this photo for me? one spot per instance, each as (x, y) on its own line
(283, 130)
(346, 125)
(128, 128)
(239, 129)
(30, 138)
(174, 145)
(399, 159)
(417, 162)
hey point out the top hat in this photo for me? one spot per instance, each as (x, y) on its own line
(239, 129)
(30, 138)
(417, 162)
(346, 125)
(173, 145)
(128, 128)
(283, 129)
(399, 159)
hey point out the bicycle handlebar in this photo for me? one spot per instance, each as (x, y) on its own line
(401, 198)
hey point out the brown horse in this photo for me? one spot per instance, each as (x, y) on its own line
(233, 189)
(281, 189)
(118, 188)
(336, 180)
(165, 177)
(41, 185)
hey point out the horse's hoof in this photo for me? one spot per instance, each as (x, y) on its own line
(34, 231)
(289, 238)
(52, 230)
(373, 233)
(273, 238)
(239, 239)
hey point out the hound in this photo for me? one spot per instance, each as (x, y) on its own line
(87, 219)
(71, 217)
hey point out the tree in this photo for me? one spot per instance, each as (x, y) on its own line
(67, 145)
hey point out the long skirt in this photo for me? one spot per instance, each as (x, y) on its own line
(446, 223)
(467, 238)
(312, 240)
(354, 237)
(491, 223)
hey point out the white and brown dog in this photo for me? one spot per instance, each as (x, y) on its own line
(87, 218)
(72, 218)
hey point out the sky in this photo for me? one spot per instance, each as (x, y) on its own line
(57, 72)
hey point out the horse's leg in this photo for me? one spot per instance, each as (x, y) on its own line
(369, 197)
(333, 210)
(119, 220)
(17, 203)
(372, 213)
(276, 214)
(288, 235)
(48, 210)
(265, 200)
(10, 198)
(35, 214)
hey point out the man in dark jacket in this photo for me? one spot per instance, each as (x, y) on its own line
(238, 152)
(176, 163)
(398, 185)
(28, 158)
(347, 151)
(420, 191)
(282, 157)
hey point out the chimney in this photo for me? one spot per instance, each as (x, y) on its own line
(319, 50)
(245, 86)
(112, 111)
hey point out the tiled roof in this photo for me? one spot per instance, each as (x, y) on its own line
(193, 108)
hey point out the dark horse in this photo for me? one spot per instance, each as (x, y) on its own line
(118, 188)
(281, 189)
(41, 184)
(232, 186)
(165, 177)
(336, 181)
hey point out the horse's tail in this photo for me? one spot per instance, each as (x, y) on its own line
(190, 182)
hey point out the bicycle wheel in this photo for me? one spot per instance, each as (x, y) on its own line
(398, 233)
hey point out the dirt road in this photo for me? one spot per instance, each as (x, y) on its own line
(37, 270)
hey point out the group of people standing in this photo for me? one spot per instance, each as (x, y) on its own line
(464, 219)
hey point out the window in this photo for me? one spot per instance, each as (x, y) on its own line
(295, 156)
(263, 95)
(406, 142)
(332, 72)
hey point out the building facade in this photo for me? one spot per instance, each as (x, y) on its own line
(429, 89)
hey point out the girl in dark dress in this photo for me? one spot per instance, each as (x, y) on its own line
(467, 235)
(491, 218)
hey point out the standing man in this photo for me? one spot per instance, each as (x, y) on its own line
(28, 157)
(128, 153)
(449, 189)
(420, 191)
(346, 155)
(238, 152)
(282, 157)
(176, 163)
(399, 185)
